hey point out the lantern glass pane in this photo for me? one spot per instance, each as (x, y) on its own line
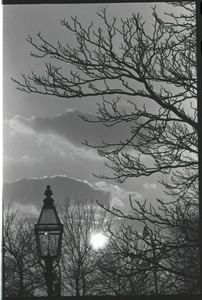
(48, 216)
(49, 243)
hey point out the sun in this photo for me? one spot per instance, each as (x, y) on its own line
(98, 240)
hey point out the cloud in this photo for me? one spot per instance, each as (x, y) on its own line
(148, 186)
(118, 196)
(29, 151)
(19, 124)
(65, 149)
(36, 147)
(24, 159)
(26, 135)
(70, 126)
(65, 130)
(52, 143)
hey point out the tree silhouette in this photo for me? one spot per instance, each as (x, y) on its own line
(79, 261)
(123, 272)
(22, 275)
(155, 73)
(168, 243)
(149, 82)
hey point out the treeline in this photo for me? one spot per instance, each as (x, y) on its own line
(161, 258)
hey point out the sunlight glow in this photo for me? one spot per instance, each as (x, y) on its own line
(98, 240)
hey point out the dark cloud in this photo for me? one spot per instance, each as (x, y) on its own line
(31, 191)
(75, 130)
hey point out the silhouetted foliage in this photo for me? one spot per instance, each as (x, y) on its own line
(22, 275)
(79, 261)
(152, 75)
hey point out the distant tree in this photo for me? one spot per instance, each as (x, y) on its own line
(182, 252)
(22, 275)
(169, 244)
(79, 261)
(121, 272)
(152, 74)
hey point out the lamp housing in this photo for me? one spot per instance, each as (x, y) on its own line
(48, 230)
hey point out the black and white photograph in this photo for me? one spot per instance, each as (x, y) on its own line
(100, 150)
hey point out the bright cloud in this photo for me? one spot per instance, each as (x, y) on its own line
(19, 124)
(19, 128)
(70, 126)
(29, 151)
(39, 146)
(118, 196)
(148, 186)
(36, 147)
(24, 159)
(65, 149)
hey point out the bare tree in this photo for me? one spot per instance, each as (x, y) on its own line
(79, 261)
(121, 272)
(22, 275)
(153, 71)
(77, 272)
(169, 244)
(156, 75)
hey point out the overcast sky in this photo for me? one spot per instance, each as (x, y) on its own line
(43, 134)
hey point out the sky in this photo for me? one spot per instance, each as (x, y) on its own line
(43, 135)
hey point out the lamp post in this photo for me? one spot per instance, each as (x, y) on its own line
(148, 233)
(48, 231)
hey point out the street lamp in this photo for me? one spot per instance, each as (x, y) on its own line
(48, 233)
(149, 233)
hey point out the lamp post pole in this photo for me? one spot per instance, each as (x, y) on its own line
(49, 275)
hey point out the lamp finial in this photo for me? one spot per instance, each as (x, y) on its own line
(48, 193)
(48, 201)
